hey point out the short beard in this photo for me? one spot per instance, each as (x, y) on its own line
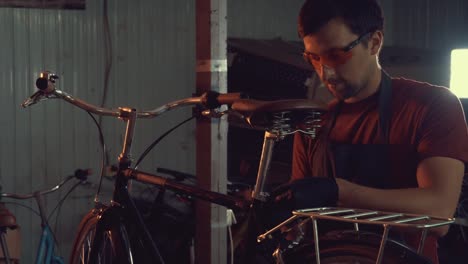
(351, 91)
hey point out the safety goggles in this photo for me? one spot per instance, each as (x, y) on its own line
(334, 57)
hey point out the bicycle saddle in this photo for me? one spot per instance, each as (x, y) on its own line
(7, 219)
(285, 116)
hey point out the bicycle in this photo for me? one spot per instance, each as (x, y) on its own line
(121, 215)
(45, 250)
(116, 233)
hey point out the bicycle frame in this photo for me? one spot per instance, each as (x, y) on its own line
(123, 207)
(45, 250)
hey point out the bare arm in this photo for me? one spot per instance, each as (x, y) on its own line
(439, 181)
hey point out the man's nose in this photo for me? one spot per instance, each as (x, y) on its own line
(326, 72)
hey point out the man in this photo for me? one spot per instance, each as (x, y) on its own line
(396, 144)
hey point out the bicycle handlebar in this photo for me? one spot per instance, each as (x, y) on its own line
(209, 100)
(79, 174)
(46, 85)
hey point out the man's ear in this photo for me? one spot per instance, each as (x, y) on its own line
(376, 42)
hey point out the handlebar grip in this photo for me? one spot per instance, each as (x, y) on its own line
(213, 99)
(42, 83)
(46, 81)
(81, 174)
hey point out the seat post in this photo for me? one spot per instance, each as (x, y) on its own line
(264, 165)
(6, 253)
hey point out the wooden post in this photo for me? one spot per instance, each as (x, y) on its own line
(211, 135)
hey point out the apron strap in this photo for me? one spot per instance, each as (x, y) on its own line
(385, 100)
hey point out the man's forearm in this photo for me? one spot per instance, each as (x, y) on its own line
(413, 200)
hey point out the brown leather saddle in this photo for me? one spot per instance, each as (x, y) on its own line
(7, 219)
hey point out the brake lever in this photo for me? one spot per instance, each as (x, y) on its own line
(33, 99)
(37, 97)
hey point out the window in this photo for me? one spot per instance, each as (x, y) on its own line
(61, 4)
(459, 73)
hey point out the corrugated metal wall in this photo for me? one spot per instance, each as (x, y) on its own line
(432, 24)
(263, 19)
(153, 63)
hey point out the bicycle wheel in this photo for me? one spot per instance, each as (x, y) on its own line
(114, 244)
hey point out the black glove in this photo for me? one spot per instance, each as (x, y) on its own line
(314, 192)
(301, 194)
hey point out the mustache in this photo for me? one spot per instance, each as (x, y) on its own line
(333, 81)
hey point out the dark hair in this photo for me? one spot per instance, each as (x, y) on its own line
(361, 16)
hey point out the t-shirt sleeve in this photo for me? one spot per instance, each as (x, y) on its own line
(443, 130)
(300, 161)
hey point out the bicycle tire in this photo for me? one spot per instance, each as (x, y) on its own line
(343, 254)
(352, 252)
(114, 242)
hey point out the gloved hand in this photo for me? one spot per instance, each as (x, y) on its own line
(300, 194)
(314, 192)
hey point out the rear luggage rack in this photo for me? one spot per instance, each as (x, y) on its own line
(368, 217)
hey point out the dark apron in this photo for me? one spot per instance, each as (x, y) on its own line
(368, 164)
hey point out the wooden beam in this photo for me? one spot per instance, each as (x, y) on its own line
(211, 135)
